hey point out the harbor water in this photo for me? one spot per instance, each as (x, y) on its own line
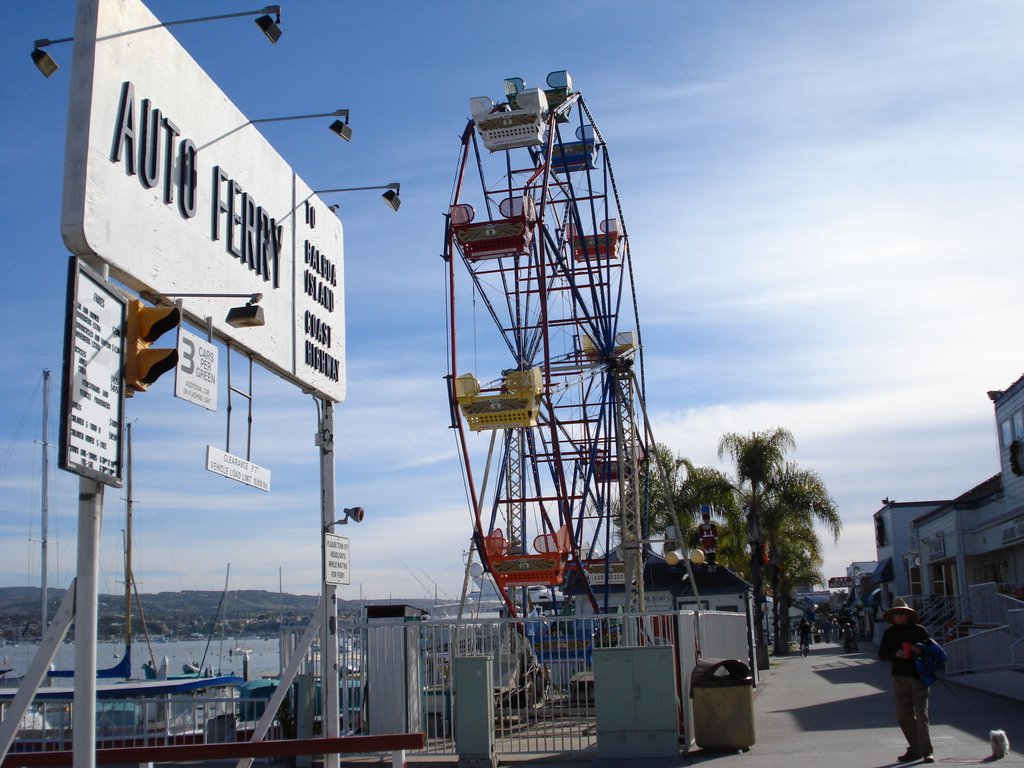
(221, 657)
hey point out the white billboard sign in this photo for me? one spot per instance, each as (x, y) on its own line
(91, 401)
(236, 468)
(168, 183)
(336, 560)
(195, 378)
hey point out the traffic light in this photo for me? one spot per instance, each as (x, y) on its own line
(142, 364)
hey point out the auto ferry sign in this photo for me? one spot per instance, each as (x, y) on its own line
(172, 187)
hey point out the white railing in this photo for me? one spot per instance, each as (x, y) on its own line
(986, 651)
(397, 676)
(941, 615)
(137, 722)
(543, 678)
(991, 606)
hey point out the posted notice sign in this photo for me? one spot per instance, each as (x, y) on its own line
(195, 378)
(91, 402)
(336, 562)
(236, 468)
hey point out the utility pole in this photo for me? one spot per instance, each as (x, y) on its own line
(45, 524)
(329, 683)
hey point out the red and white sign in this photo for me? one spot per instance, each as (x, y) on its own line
(840, 582)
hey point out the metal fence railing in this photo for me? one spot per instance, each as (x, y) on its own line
(942, 615)
(985, 651)
(397, 676)
(135, 722)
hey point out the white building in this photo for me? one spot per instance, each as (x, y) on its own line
(961, 562)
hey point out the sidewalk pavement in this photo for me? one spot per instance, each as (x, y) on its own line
(835, 710)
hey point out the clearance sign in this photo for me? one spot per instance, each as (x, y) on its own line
(170, 185)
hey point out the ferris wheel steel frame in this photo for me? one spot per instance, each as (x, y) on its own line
(580, 462)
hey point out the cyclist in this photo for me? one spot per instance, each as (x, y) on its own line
(804, 631)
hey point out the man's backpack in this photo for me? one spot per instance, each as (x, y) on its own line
(931, 661)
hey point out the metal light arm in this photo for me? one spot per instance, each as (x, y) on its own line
(267, 9)
(254, 298)
(394, 185)
(335, 113)
(43, 42)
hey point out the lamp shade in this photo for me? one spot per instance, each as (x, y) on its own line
(269, 28)
(341, 128)
(44, 62)
(392, 199)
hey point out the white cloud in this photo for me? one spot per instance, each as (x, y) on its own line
(824, 207)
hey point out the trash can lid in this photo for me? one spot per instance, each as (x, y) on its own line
(720, 673)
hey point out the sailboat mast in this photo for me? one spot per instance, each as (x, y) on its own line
(128, 578)
(44, 525)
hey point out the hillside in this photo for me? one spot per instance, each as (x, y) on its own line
(177, 614)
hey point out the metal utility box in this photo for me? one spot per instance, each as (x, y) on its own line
(636, 704)
(394, 703)
(723, 704)
(474, 711)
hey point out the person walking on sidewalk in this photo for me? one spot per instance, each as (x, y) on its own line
(899, 646)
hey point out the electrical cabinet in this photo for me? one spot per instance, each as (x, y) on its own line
(474, 711)
(636, 703)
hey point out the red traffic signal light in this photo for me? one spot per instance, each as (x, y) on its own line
(142, 364)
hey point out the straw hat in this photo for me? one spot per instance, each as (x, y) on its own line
(899, 605)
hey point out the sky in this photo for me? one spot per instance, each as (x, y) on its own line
(825, 207)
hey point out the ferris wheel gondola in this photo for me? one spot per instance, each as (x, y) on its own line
(555, 491)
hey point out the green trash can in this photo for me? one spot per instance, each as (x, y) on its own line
(722, 691)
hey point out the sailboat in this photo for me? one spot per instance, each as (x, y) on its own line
(116, 694)
(123, 669)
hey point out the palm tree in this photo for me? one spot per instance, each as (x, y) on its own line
(675, 482)
(707, 485)
(664, 473)
(796, 560)
(759, 458)
(799, 501)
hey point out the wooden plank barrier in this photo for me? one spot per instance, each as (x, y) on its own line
(194, 752)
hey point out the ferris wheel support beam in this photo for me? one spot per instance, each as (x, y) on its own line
(563, 513)
(475, 499)
(680, 543)
(627, 444)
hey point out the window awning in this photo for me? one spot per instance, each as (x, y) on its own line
(872, 599)
(883, 572)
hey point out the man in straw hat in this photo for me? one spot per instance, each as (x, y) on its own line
(900, 645)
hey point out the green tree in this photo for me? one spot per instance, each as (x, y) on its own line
(676, 484)
(760, 458)
(798, 501)
(799, 562)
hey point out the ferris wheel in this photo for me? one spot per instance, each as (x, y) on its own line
(546, 366)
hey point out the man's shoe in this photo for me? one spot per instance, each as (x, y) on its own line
(929, 758)
(908, 757)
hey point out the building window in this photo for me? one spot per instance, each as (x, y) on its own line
(1006, 432)
(944, 578)
(1018, 425)
(998, 572)
(880, 531)
(915, 579)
